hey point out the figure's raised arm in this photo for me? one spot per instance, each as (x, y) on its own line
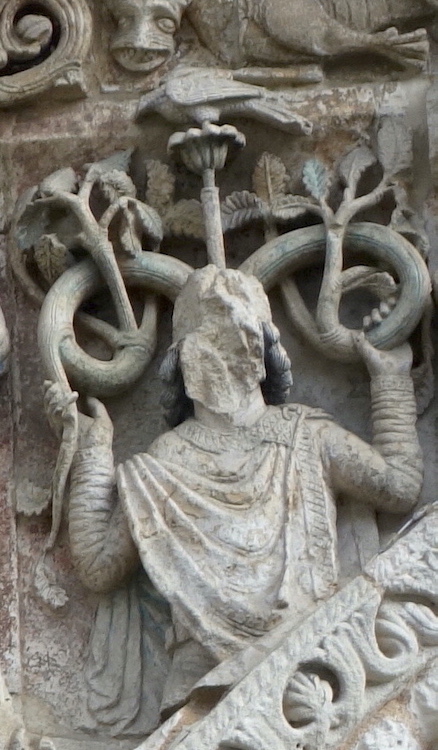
(387, 474)
(102, 548)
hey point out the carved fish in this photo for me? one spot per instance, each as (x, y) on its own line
(276, 32)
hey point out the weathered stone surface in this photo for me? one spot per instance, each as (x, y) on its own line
(298, 101)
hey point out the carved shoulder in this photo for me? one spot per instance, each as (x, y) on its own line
(166, 446)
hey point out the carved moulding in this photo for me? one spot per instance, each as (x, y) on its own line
(359, 650)
(42, 47)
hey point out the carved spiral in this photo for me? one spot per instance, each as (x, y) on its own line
(23, 35)
(49, 37)
(382, 246)
(155, 272)
(271, 263)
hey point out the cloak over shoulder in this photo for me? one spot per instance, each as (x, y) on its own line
(236, 530)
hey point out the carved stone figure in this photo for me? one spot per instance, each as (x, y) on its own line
(232, 513)
(209, 94)
(239, 32)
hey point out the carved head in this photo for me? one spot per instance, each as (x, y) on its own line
(144, 39)
(225, 344)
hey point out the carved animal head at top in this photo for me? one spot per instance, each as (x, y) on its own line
(144, 39)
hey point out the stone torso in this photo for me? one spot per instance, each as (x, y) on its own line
(234, 512)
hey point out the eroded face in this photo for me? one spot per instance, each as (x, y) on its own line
(217, 322)
(144, 39)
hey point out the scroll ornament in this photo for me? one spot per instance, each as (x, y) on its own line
(333, 672)
(42, 48)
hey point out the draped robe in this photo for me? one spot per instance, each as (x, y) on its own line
(236, 530)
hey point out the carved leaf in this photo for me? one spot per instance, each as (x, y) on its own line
(354, 164)
(52, 257)
(64, 180)
(50, 592)
(316, 178)
(394, 146)
(405, 221)
(130, 234)
(185, 218)
(31, 499)
(160, 186)
(287, 207)
(119, 161)
(270, 177)
(380, 283)
(32, 221)
(424, 621)
(116, 184)
(240, 208)
(137, 220)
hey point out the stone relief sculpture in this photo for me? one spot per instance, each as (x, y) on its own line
(239, 32)
(243, 488)
(242, 492)
(232, 561)
(42, 48)
(286, 44)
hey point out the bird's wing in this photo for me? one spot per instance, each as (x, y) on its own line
(200, 89)
(151, 100)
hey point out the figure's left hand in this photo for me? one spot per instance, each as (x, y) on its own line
(397, 361)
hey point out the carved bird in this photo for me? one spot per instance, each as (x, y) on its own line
(206, 94)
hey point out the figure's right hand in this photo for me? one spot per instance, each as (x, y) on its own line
(95, 428)
(58, 402)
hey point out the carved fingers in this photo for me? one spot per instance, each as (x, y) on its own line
(58, 403)
(409, 49)
(378, 314)
(96, 428)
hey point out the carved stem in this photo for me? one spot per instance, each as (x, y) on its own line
(102, 253)
(327, 317)
(212, 219)
(95, 239)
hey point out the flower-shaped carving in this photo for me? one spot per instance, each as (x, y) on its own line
(308, 698)
(206, 148)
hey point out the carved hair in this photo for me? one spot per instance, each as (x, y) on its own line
(275, 387)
